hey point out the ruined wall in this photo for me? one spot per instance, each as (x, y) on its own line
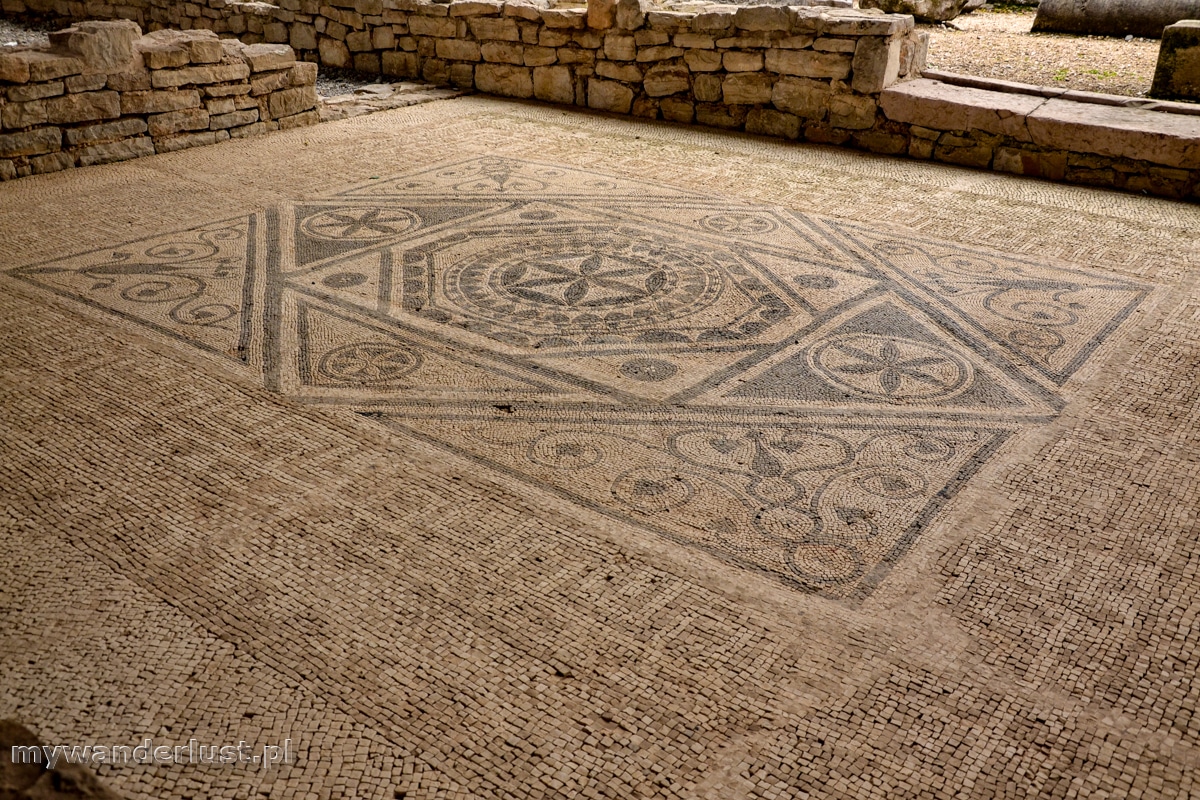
(102, 92)
(814, 72)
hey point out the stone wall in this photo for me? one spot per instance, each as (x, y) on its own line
(1126, 143)
(814, 72)
(103, 92)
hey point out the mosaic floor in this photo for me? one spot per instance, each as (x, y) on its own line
(563, 456)
(795, 395)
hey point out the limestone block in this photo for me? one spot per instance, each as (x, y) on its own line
(576, 56)
(51, 162)
(253, 129)
(645, 107)
(838, 22)
(86, 83)
(677, 109)
(762, 18)
(358, 41)
(190, 119)
(7, 170)
(367, 63)
(609, 96)
(105, 131)
(300, 120)
(661, 81)
(459, 50)
(571, 18)
(631, 14)
(712, 22)
(221, 105)
(601, 14)
(14, 68)
(647, 38)
(739, 61)
(170, 144)
(707, 88)
(103, 45)
(304, 37)
(159, 56)
(802, 97)
(619, 71)
(83, 107)
(475, 8)
(747, 88)
(30, 143)
(943, 107)
(963, 152)
(432, 26)
(1172, 140)
(526, 10)
(549, 38)
(131, 81)
(275, 32)
(699, 41)
(227, 90)
(540, 57)
(286, 102)
(435, 70)
(852, 111)
(303, 73)
(1178, 72)
(914, 50)
(504, 80)
(45, 66)
(702, 60)
(589, 40)
(116, 151)
(876, 64)
(619, 47)
(159, 102)
(831, 44)
(35, 91)
(163, 48)
(334, 53)
(215, 73)
(773, 123)
(553, 84)
(233, 119)
(1051, 165)
(668, 20)
(270, 82)
(503, 29)
(809, 64)
(718, 116)
(263, 57)
(660, 53)
(504, 53)
(462, 76)
(400, 65)
(368, 6)
(14, 116)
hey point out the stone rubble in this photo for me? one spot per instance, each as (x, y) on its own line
(102, 92)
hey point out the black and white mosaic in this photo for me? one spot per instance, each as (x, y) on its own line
(794, 395)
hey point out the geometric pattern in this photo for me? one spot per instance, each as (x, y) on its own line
(794, 395)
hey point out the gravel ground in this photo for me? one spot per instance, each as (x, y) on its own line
(22, 33)
(998, 44)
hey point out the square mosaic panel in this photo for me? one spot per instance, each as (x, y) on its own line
(793, 395)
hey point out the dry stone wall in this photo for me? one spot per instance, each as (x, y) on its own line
(807, 71)
(102, 92)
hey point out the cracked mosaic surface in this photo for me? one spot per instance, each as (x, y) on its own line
(795, 395)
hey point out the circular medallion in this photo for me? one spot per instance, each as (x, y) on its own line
(652, 489)
(368, 363)
(603, 285)
(739, 222)
(648, 369)
(358, 224)
(891, 368)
